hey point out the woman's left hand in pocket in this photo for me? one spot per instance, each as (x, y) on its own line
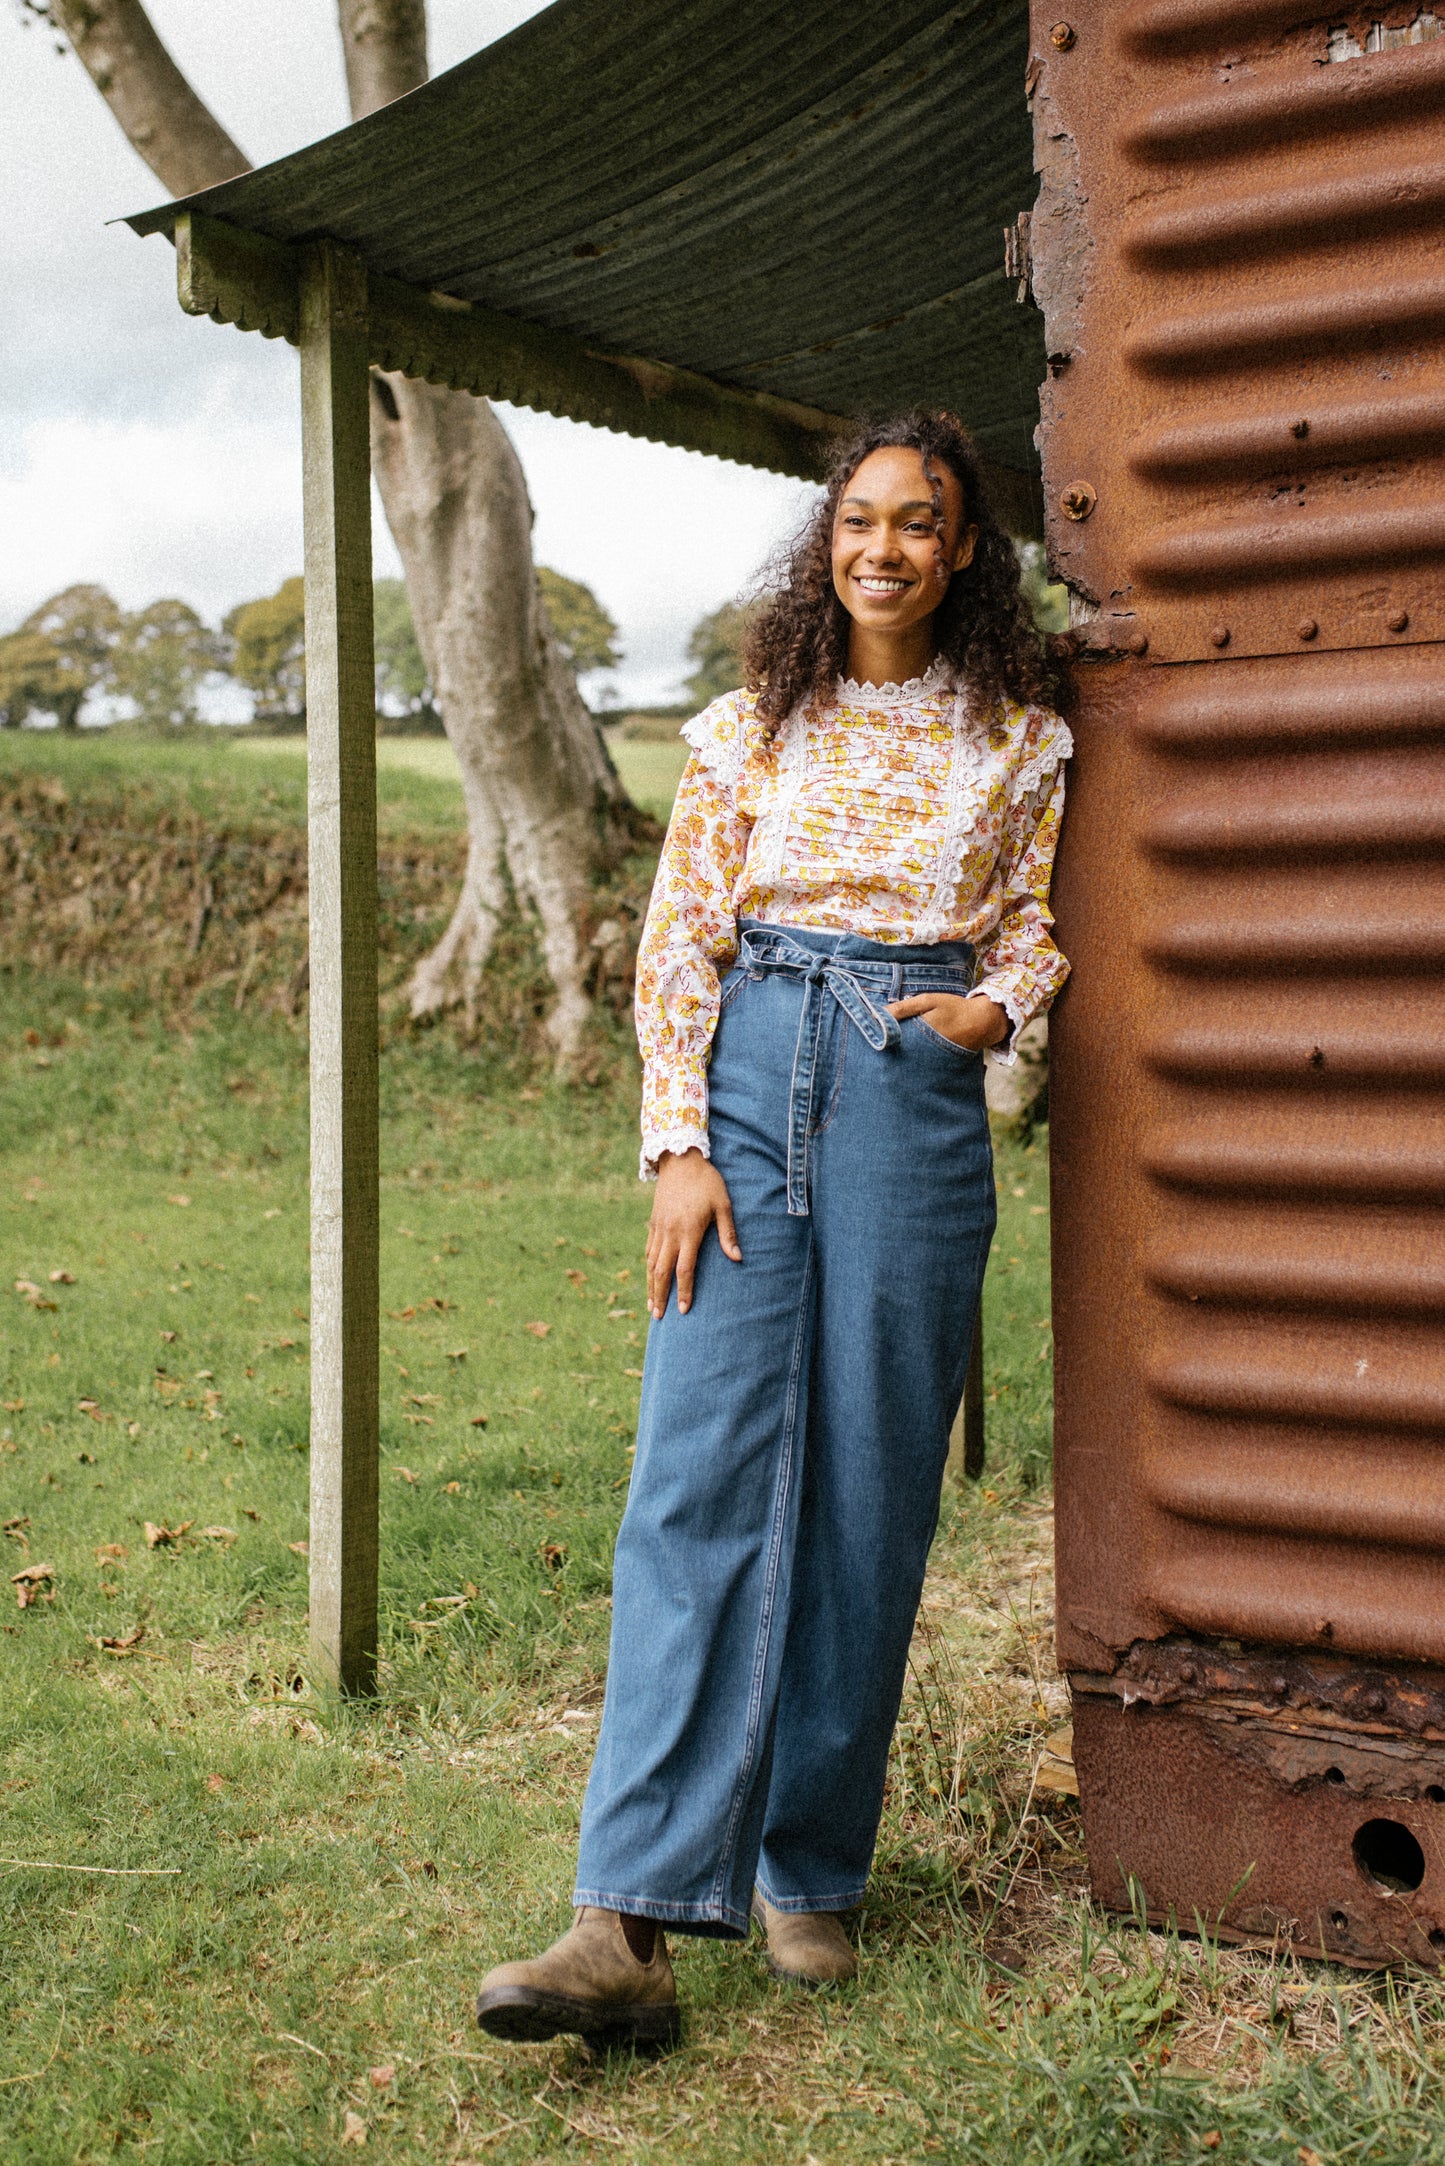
(971, 1020)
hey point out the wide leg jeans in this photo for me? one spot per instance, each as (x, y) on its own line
(791, 1444)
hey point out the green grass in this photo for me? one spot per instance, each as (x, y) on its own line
(300, 1896)
(650, 771)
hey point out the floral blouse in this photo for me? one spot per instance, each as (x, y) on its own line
(897, 813)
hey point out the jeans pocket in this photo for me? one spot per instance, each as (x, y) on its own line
(732, 985)
(959, 1052)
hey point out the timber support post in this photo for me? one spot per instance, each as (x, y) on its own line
(341, 770)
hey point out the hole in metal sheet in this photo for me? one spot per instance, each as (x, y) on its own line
(1435, 1794)
(1436, 1936)
(1339, 1921)
(1334, 1774)
(1389, 1856)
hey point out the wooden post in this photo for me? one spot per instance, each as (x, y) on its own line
(341, 757)
(966, 1438)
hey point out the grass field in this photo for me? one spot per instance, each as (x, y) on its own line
(650, 770)
(244, 1922)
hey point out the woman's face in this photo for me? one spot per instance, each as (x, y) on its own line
(898, 538)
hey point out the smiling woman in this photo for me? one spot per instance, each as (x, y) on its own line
(852, 904)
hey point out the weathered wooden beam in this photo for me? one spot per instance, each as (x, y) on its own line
(341, 780)
(238, 277)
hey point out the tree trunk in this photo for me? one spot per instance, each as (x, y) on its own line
(544, 804)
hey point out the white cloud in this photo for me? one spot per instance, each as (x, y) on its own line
(160, 455)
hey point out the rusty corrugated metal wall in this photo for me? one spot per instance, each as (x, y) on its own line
(1240, 251)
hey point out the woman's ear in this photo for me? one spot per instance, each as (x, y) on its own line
(963, 555)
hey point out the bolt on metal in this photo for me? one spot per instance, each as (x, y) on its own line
(1078, 499)
(1061, 37)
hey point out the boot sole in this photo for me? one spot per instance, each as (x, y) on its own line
(529, 2017)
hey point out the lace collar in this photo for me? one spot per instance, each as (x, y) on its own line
(935, 679)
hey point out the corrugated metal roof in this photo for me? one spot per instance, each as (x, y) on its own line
(802, 198)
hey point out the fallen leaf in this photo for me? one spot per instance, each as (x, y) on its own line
(578, 1278)
(15, 1527)
(87, 1459)
(353, 2128)
(13, 1406)
(110, 1549)
(274, 1212)
(248, 1513)
(554, 1555)
(479, 1421)
(183, 1201)
(33, 1581)
(164, 1537)
(215, 1785)
(458, 1353)
(1307, 2157)
(382, 2076)
(632, 1372)
(124, 1643)
(218, 1534)
(451, 1489)
(538, 1331)
(32, 1294)
(169, 1337)
(1211, 2139)
(62, 1278)
(405, 1473)
(92, 1407)
(302, 1549)
(422, 1398)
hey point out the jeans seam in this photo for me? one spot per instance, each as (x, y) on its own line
(770, 1586)
(838, 1081)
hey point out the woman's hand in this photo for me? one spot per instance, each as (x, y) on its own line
(691, 1196)
(971, 1020)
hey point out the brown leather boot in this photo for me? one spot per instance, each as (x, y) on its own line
(589, 1982)
(807, 1948)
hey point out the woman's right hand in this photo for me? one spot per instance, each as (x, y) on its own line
(691, 1196)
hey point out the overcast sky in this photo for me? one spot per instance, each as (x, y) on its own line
(160, 455)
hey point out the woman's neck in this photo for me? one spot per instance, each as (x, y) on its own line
(889, 657)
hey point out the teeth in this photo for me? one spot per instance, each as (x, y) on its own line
(884, 586)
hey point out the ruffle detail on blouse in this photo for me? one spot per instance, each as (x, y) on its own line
(719, 738)
(853, 694)
(1057, 747)
(676, 1140)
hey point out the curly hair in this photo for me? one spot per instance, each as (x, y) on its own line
(797, 646)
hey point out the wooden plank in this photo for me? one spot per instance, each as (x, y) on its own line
(243, 278)
(341, 754)
(966, 1438)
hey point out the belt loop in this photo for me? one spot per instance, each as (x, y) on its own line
(897, 992)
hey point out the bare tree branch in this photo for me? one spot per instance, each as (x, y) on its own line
(181, 141)
(384, 46)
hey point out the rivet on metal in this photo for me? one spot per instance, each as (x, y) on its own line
(1300, 428)
(1138, 643)
(1399, 621)
(1078, 500)
(1219, 637)
(1308, 629)
(1061, 37)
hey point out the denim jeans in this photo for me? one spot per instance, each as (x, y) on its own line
(791, 1444)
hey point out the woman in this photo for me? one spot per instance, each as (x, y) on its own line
(850, 908)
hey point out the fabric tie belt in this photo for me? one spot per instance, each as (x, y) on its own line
(856, 986)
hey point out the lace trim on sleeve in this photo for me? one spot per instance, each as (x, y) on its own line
(1058, 746)
(676, 1140)
(719, 738)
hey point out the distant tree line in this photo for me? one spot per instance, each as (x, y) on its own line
(80, 647)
